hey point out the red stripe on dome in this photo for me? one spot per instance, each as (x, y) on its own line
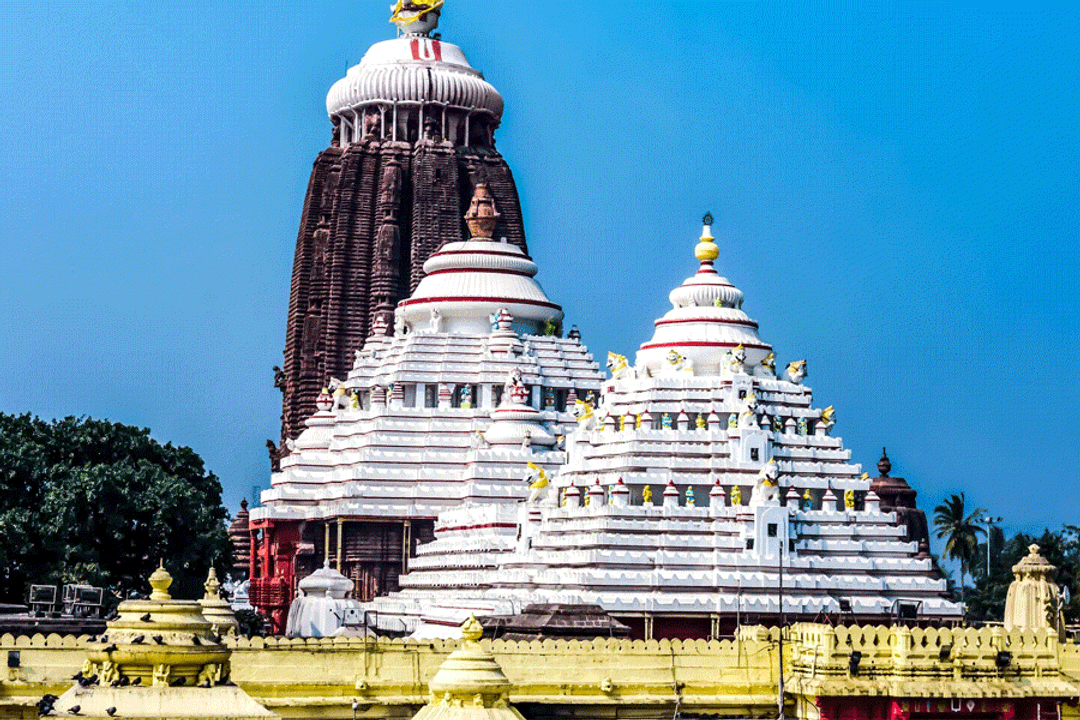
(649, 346)
(743, 323)
(495, 271)
(473, 298)
(503, 253)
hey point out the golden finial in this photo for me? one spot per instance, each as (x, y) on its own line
(160, 580)
(471, 629)
(706, 250)
(411, 11)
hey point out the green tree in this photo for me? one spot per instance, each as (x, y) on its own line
(96, 502)
(960, 532)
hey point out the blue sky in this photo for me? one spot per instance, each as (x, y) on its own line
(895, 185)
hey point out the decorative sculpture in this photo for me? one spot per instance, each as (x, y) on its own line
(514, 390)
(735, 361)
(699, 422)
(619, 366)
(733, 421)
(583, 414)
(778, 424)
(665, 421)
(748, 417)
(736, 495)
(801, 425)
(465, 397)
(435, 323)
(766, 488)
(407, 12)
(828, 419)
(646, 495)
(526, 442)
(340, 394)
(676, 364)
(538, 482)
(689, 495)
(807, 501)
(796, 371)
(767, 368)
(849, 499)
(479, 442)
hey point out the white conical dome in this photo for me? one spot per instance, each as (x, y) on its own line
(706, 320)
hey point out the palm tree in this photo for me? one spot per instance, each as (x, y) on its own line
(960, 532)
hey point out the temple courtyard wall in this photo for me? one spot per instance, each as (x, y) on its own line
(901, 672)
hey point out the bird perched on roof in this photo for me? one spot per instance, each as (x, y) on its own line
(138, 640)
(145, 618)
(75, 709)
(110, 711)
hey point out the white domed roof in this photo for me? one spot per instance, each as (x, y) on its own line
(414, 69)
(469, 282)
(706, 320)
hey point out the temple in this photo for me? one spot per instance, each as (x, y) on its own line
(466, 398)
(702, 493)
(413, 133)
(448, 451)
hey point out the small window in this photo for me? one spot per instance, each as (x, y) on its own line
(771, 530)
(754, 455)
(410, 396)
(749, 543)
(742, 394)
(431, 396)
(496, 395)
(791, 545)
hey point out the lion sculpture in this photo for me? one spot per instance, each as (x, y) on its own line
(735, 361)
(766, 488)
(538, 482)
(767, 368)
(796, 371)
(619, 366)
(584, 415)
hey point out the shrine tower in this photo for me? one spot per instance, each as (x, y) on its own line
(413, 133)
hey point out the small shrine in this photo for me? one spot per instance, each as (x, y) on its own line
(161, 658)
(1033, 600)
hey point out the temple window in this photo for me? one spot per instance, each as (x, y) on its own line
(754, 455)
(431, 396)
(496, 395)
(771, 530)
(410, 396)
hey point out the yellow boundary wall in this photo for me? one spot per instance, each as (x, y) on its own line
(388, 678)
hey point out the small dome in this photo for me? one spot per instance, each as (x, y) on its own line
(326, 581)
(706, 320)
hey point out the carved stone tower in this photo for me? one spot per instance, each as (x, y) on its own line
(413, 134)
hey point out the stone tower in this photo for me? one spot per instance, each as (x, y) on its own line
(413, 133)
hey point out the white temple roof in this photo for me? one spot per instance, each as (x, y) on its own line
(414, 69)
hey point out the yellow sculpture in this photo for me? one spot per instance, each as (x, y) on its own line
(539, 481)
(637, 422)
(646, 494)
(406, 13)
(849, 499)
(736, 496)
(700, 422)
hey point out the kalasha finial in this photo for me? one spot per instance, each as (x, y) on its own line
(416, 17)
(706, 250)
(160, 580)
(471, 629)
(482, 216)
(884, 465)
